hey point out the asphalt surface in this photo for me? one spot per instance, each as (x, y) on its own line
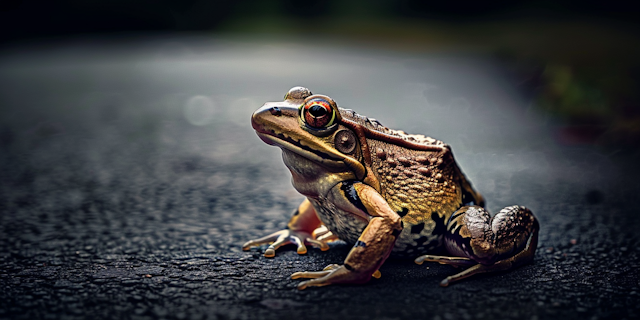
(131, 177)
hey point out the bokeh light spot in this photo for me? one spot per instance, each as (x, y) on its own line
(200, 110)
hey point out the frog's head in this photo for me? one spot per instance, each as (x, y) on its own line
(310, 126)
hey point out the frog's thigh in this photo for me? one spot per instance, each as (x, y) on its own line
(488, 244)
(304, 218)
(374, 244)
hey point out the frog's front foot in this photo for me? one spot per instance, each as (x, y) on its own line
(284, 237)
(487, 244)
(332, 274)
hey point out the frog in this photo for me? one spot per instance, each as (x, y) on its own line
(385, 193)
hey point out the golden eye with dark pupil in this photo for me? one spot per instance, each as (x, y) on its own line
(318, 113)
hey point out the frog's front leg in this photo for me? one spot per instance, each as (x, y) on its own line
(374, 244)
(487, 244)
(299, 231)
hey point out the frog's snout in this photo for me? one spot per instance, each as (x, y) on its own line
(260, 117)
(274, 117)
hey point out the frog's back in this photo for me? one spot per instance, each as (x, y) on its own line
(422, 184)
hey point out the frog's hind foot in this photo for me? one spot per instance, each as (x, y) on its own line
(488, 244)
(452, 261)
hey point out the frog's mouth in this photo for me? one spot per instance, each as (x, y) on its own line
(282, 141)
(322, 156)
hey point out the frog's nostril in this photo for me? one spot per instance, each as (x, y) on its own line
(275, 111)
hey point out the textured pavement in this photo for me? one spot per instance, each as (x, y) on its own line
(130, 177)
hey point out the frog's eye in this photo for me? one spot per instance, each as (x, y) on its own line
(318, 113)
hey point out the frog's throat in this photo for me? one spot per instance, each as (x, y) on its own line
(326, 157)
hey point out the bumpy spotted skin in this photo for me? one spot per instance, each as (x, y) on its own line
(423, 186)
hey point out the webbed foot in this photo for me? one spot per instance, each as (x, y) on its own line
(303, 229)
(284, 237)
(332, 274)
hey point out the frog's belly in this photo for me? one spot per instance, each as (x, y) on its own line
(345, 225)
(412, 241)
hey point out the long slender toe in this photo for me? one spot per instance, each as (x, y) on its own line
(310, 274)
(453, 261)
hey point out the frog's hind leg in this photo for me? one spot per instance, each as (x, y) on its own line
(487, 244)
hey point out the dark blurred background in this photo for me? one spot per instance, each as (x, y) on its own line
(39, 18)
(578, 61)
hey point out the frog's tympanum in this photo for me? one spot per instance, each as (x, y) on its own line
(384, 191)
